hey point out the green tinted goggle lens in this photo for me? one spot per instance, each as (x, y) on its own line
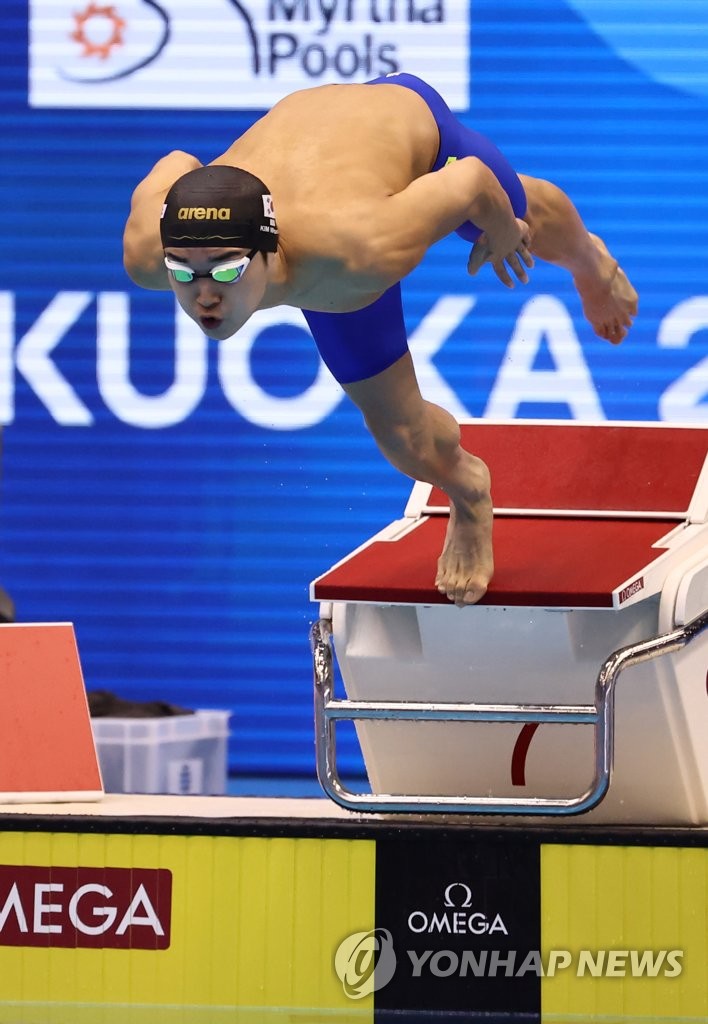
(223, 273)
(183, 276)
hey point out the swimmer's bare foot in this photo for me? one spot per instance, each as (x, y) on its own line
(609, 300)
(466, 564)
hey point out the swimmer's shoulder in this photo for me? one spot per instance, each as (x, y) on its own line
(162, 176)
(142, 247)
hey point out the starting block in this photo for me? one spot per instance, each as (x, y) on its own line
(47, 750)
(515, 705)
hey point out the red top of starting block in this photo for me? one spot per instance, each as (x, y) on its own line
(581, 511)
(539, 561)
(591, 468)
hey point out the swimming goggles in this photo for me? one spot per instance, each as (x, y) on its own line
(223, 273)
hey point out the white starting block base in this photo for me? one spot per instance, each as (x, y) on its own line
(575, 581)
(660, 765)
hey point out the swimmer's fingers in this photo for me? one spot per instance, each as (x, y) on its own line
(525, 254)
(478, 256)
(517, 261)
(503, 274)
(522, 254)
(525, 233)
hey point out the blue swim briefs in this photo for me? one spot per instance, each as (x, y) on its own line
(361, 344)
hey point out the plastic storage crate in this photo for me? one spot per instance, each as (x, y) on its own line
(181, 754)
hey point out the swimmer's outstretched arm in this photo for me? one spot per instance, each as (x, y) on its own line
(435, 204)
(142, 248)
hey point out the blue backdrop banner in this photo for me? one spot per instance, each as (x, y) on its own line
(172, 496)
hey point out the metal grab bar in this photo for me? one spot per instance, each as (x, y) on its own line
(328, 711)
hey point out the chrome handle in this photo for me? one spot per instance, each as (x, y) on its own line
(328, 711)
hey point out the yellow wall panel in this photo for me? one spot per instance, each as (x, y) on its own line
(255, 922)
(55, 1013)
(618, 898)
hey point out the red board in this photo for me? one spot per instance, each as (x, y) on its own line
(539, 561)
(46, 741)
(588, 468)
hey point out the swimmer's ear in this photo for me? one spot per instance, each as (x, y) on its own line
(478, 256)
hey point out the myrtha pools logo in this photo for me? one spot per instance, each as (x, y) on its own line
(243, 54)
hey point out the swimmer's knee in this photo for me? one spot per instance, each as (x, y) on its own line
(423, 445)
(540, 196)
(393, 435)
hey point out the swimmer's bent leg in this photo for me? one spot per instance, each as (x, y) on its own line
(361, 344)
(367, 351)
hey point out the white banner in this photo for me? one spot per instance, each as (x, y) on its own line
(237, 54)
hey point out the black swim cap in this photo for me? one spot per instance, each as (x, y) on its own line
(219, 206)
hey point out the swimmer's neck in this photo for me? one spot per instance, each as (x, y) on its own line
(289, 283)
(315, 283)
(280, 289)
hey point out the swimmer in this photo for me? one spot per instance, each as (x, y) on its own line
(363, 180)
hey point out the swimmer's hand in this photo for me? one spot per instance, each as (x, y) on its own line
(514, 252)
